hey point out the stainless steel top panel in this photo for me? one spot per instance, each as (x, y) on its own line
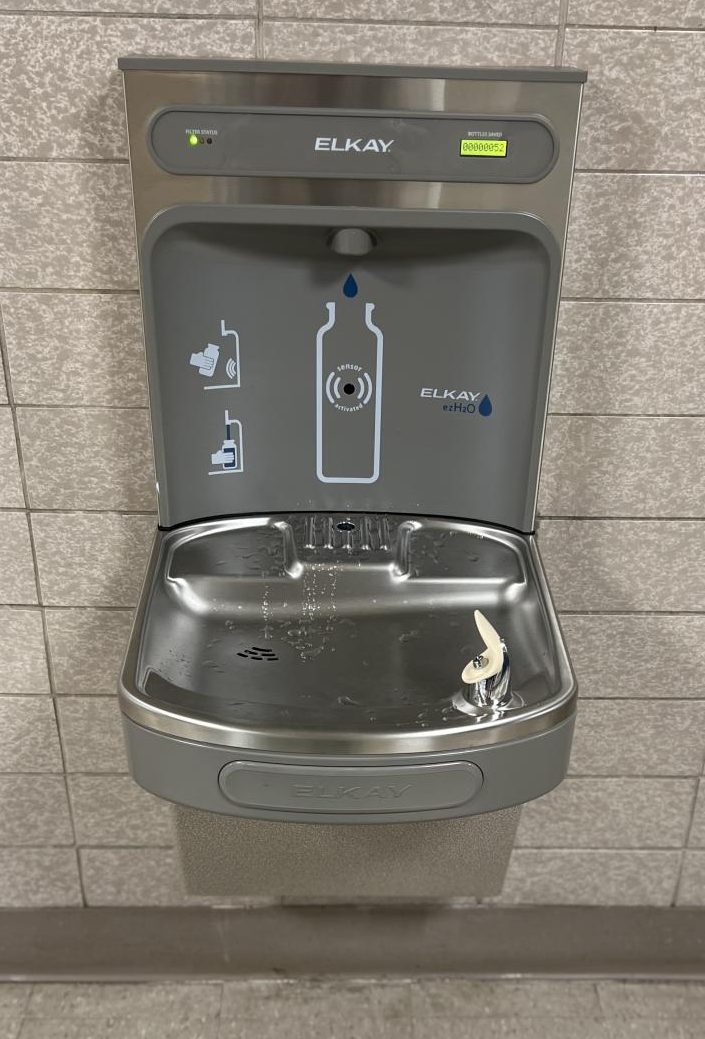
(534, 74)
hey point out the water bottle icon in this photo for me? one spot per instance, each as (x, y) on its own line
(349, 352)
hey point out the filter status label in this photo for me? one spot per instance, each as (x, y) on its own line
(491, 147)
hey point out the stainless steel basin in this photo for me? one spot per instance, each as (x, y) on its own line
(341, 633)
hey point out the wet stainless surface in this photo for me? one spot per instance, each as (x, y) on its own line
(340, 631)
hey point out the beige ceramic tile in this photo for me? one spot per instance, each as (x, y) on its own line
(227, 8)
(64, 81)
(674, 1000)
(612, 466)
(461, 998)
(614, 358)
(66, 225)
(644, 640)
(609, 813)
(184, 1000)
(639, 738)
(697, 833)
(32, 877)
(570, 877)
(410, 44)
(29, 741)
(649, 14)
(113, 810)
(88, 559)
(17, 582)
(87, 648)
(317, 1026)
(625, 564)
(11, 1023)
(131, 876)
(100, 458)
(3, 387)
(23, 665)
(692, 886)
(11, 495)
(643, 113)
(14, 998)
(335, 1000)
(636, 235)
(34, 810)
(158, 1026)
(13, 1001)
(552, 1028)
(504, 11)
(75, 348)
(91, 734)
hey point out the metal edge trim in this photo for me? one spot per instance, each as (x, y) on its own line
(531, 74)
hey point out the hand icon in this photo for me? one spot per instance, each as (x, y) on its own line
(206, 360)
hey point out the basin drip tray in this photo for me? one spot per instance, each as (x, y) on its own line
(332, 646)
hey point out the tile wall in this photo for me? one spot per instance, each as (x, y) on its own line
(623, 491)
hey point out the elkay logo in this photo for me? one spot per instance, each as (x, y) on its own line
(459, 401)
(352, 144)
(350, 793)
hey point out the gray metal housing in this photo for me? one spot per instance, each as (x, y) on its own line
(350, 279)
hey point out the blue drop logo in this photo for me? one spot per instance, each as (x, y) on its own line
(485, 407)
(350, 287)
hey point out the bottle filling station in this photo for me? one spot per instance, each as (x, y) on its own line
(350, 278)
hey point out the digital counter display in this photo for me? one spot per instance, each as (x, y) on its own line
(489, 147)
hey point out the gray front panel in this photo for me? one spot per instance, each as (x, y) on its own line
(187, 773)
(468, 148)
(286, 377)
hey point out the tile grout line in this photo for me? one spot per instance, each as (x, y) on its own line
(552, 517)
(122, 846)
(110, 607)
(65, 406)
(87, 160)
(651, 29)
(219, 1014)
(259, 30)
(560, 32)
(549, 517)
(77, 290)
(161, 16)
(686, 845)
(477, 24)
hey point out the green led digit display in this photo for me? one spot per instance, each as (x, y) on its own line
(484, 146)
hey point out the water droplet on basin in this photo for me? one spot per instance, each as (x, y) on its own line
(350, 287)
(485, 407)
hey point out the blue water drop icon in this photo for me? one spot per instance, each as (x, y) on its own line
(350, 287)
(485, 407)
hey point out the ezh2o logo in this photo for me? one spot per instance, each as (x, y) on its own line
(459, 402)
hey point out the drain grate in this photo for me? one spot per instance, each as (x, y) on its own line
(258, 653)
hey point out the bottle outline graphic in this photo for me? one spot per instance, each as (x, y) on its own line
(323, 395)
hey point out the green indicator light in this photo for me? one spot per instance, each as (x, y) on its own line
(193, 139)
